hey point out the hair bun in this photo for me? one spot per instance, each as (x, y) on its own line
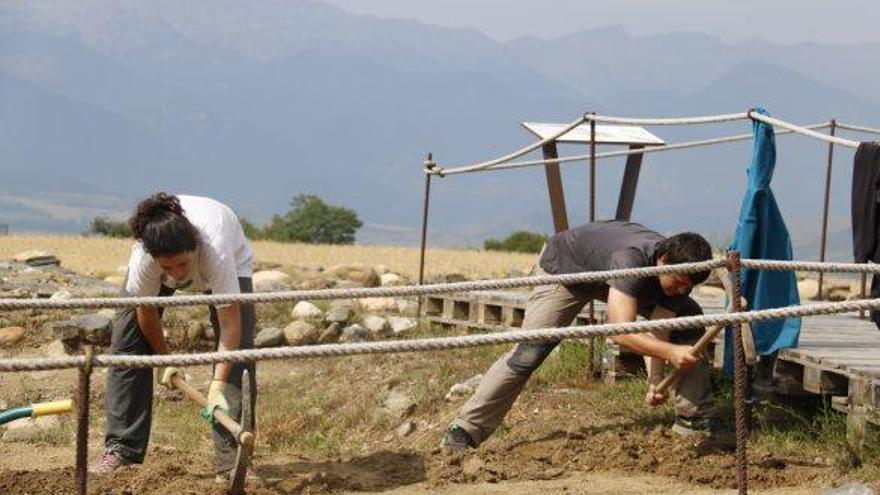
(154, 207)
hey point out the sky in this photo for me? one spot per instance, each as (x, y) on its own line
(782, 21)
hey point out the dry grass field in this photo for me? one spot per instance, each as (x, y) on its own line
(99, 256)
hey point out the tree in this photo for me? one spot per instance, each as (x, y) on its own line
(251, 231)
(312, 221)
(111, 228)
(520, 241)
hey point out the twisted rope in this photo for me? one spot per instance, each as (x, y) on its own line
(323, 294)
(612, 154)
(858, 128)
(810, 266)
(707, 119)
(802, 130)
(441, 343)
(516, 154)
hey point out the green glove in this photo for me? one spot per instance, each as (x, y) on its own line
(216, 400)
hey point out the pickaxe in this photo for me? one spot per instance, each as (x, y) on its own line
(699, 347)
(243, 434)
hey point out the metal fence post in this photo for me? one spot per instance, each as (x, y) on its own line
(82, 422)
(739, 377)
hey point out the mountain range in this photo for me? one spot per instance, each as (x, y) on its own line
(255, 102)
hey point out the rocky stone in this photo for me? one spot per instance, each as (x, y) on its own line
(381, 269)
(95, 327)
(195, 330)
(398, 403)
(808, 289)
(56, 349)
(315, 282)
(269, 337)
(400, 325)
(348, 284)
(376, 325)
(408, 308)
(358, 273)
(464, 389)
(108, 312)
(37, 258)
(405, 428)
(301, 333)
(354, 333)
(305, 310)
(209, 332)
(391, 280)
(30, 429)
(377, 304)
(61, 295)
(331, 334)
(449, 278)
(116, 280)
(271, 280)
(11, 335)
(341, 310)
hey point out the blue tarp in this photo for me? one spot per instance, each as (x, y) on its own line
(761, 234)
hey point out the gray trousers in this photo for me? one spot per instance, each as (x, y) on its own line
(557, 306)
(129, 395)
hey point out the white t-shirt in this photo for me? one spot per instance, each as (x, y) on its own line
(221, 257)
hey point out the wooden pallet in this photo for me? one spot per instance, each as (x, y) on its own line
(503, 310)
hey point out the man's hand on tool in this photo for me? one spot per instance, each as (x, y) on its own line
(653, 397)
(681, 356)
(216, 398)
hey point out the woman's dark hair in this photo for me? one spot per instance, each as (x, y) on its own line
(686, 247)
(159, 223)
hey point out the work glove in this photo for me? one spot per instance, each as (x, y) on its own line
(216, 400)
(164, 375)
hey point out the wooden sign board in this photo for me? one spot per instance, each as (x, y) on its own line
(605, 134)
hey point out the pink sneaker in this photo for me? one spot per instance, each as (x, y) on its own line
(110, 461)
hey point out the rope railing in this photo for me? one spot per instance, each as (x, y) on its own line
(324, 294)
(612, 154)
(421, 290)
(857, 128)
(810, 266)
(515, 154)
(440, 343)
(803, 130)
(705, 119)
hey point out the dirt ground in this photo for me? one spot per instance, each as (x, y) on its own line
(554, 440)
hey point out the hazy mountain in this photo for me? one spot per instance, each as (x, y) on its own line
(253, 102)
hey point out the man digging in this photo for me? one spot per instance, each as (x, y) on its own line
(610, 245)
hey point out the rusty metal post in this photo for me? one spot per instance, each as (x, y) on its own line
(82, 422)
(864, 290)
(429, 164)
(591, 343)
(824, 236)
(739, 376)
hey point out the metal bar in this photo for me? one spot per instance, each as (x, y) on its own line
(629, 184)
(824, 236)
(739, 376)
(428, 164)
(554, 188)
(82, 422)
(864, 289)
(591, 343)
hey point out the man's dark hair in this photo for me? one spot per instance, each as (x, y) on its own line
(159, 223)
(686, 247)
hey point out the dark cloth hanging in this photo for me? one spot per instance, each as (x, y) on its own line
(866, 212)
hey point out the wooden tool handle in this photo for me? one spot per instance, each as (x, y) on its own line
(696, 350)
(243, 437)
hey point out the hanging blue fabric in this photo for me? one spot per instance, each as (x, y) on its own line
(761, 234)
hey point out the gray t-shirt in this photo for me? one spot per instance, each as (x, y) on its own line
(609, 245)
